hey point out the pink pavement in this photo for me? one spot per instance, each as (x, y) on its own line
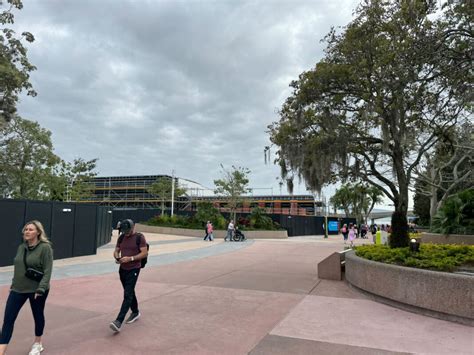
(262, 299)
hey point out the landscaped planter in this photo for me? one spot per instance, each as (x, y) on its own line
(440, 294)
(217, 233)
(436, 238)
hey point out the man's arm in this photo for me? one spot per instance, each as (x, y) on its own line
(143, 254)
(117, 253)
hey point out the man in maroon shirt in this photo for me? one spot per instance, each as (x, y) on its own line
(130, 249)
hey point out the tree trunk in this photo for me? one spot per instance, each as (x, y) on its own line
(162, 208)
(433, 203)
(434, 195)
(399, 236)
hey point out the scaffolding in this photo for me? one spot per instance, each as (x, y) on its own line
(132, 192)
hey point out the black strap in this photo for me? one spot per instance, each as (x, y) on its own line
(138, 240)
(24, 258)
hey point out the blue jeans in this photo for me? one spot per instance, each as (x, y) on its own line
(15, 301)
(229, 235)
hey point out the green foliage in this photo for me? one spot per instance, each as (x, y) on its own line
(188, 222)
(162, 190)
(371, 109)
(258, 220)
(233, 185)
(207, 212)
(29, 168)
(14, 65)
(357, 199)
(431, 256)
(175, 221)
(399, 236)
(69, 181)
(27, 159)
(456, 216)
(219, 222)
(447, 171)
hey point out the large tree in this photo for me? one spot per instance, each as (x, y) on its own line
(30, 169)
(27, 159)
(14, 65)
(387, 89)
(233, 185)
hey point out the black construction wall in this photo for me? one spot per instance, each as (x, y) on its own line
(74, 229)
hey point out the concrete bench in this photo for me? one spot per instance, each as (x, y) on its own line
(332, 267)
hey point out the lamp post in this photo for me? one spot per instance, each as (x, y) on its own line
(325, 219)
(414, 245)
(172, 192)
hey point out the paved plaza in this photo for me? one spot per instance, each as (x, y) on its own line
(256, 297)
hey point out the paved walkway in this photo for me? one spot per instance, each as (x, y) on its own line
(257, 297)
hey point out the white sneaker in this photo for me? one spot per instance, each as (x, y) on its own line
(36, 349)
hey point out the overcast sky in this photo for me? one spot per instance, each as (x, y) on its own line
(151, 86)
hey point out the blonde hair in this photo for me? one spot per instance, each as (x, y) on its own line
(42, 237)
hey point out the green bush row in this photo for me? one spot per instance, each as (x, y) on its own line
(206, 212)
(431, 256)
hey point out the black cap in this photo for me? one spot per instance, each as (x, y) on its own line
(126, 226)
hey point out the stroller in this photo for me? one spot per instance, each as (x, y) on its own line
(238, 236)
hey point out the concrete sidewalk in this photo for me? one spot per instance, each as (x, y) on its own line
(257, 297)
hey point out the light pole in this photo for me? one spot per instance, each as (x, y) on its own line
(325, 219)
(172, 192)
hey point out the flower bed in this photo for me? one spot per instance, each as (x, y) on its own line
(431, 256)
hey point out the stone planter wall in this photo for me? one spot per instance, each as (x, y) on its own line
(441, 294)
(199, 233)
(447, 239)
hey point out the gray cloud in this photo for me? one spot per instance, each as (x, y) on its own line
(151, 86)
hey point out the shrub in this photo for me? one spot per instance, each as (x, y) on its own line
(258, 220)
(171, 221)
(207, 212)
(243, 222)
(456, 215)
(431, 256)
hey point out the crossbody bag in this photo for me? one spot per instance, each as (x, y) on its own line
(30, 272)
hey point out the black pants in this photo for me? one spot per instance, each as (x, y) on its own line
(129, 280)
(14, 303)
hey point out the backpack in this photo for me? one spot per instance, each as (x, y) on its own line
(138, 240)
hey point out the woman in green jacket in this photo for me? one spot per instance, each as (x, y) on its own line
(33, 264)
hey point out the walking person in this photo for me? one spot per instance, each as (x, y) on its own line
(352, 234)
(131, 248)
(210, 230)
(33, 265)
(230, 231)
(205, 230)
(344, 232)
